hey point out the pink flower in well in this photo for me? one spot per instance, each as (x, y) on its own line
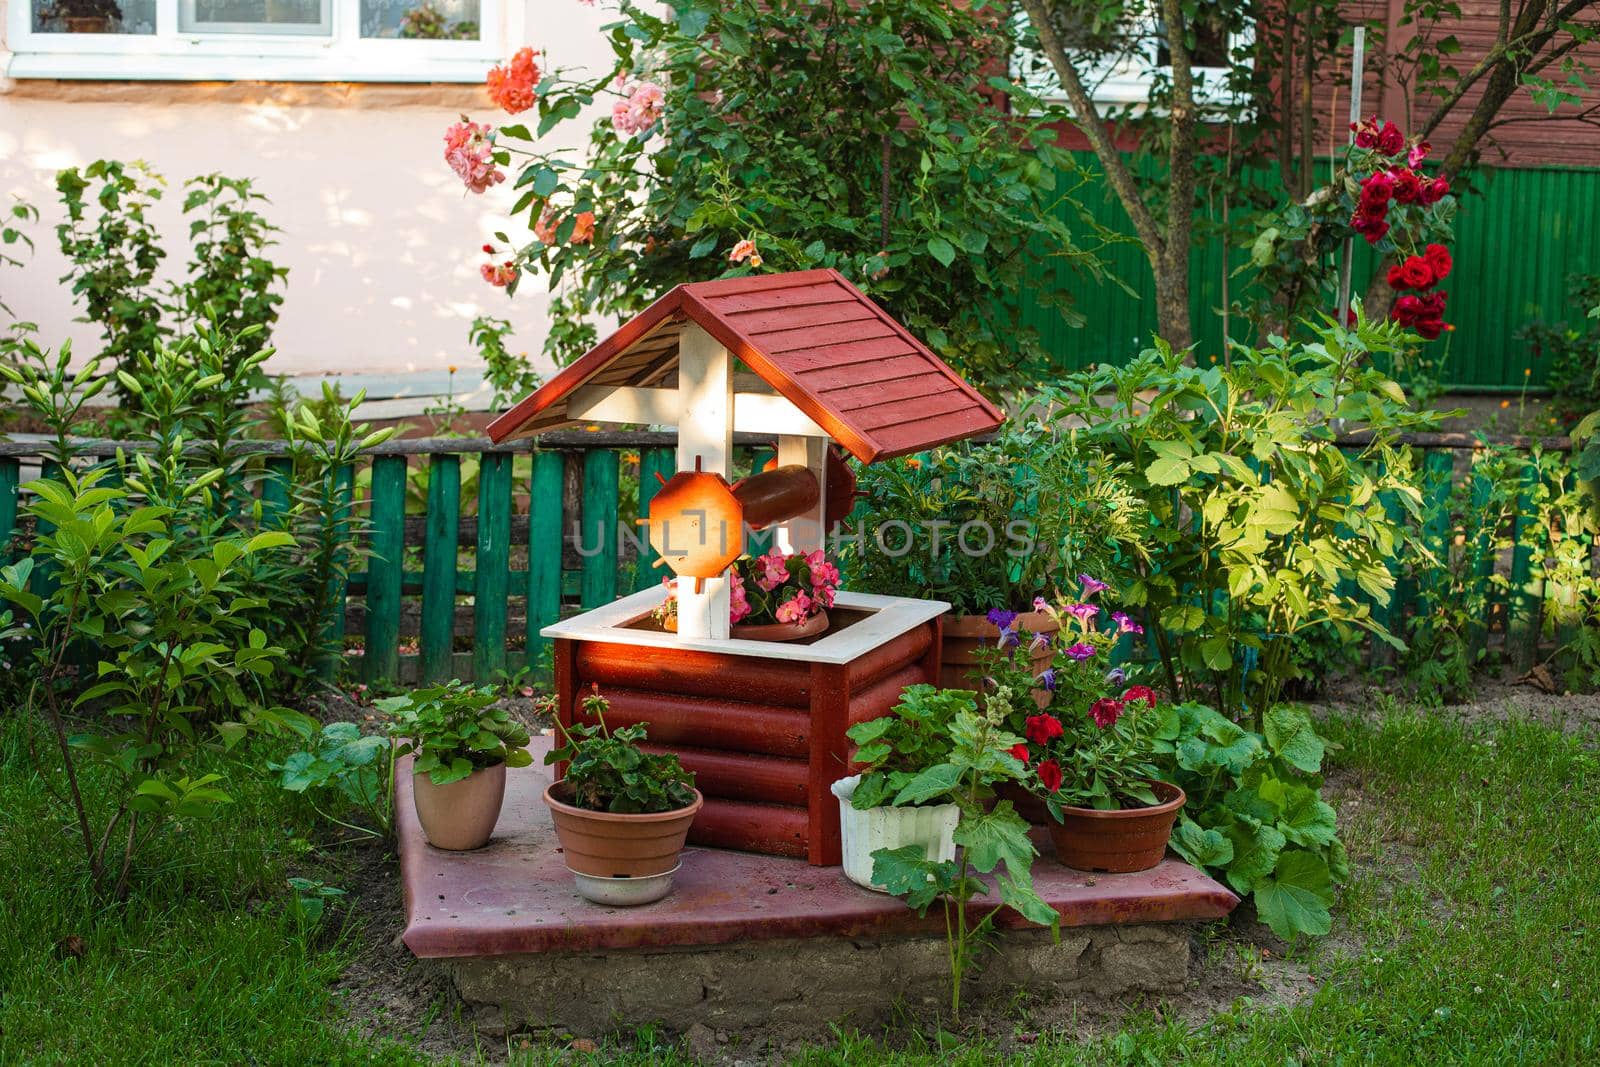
(511, 86)
(499, 275)
(641, 110)
(738, 604)
(796, 610)
(822, 572)
(774, 570)
(469, 149)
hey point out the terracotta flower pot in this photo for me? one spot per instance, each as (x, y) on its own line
(604, 844)
(964, 635)
(767, 631)
(1133, 839)
(460, 816)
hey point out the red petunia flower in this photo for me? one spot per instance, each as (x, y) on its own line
(1042, 729)
(1140, 692)
(1105, 712)
(1050, 775)
(1020, 754)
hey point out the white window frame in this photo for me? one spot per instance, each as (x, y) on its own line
(1125, 81)
(171, 54)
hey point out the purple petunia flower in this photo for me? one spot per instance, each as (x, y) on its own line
(1081, 651)
(1041, 604)
(1125, 625)
(1091, 586)
(1001, 617)
(1048, 679)
(1009, 638)
(1116, 676)
(1040, 641)
(1085, 613)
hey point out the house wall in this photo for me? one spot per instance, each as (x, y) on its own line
(381, 240)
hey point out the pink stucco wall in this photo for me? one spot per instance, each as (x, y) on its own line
(380, 239)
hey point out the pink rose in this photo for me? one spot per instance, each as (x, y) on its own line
(469, 149)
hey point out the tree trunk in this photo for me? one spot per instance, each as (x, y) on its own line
(1172, 291)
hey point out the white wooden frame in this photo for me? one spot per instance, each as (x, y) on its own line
(172, 54)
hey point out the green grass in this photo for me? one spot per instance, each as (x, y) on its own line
(1477, 901)
(205, 963)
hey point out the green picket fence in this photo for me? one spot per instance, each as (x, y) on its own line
(472, 548)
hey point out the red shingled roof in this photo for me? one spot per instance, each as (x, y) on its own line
(813, 337)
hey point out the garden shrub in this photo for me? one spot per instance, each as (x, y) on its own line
(1264, 527)
(774, 135)
(129, 569)
(116, 253)
(1449, 562)
(1051, 507)
(1255, 815)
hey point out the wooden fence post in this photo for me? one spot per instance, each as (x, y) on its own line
(492, 582)
(385, 568)
(10, 475)
(333, 625)
(439, 566)
(1527, 592)
(544, 549)
(598, 537)
(652, 461)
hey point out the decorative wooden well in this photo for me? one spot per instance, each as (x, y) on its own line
(761, 724)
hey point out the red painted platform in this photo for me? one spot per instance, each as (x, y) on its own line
(515, 895)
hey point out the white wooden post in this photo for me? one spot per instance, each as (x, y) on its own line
(805, 533)
(705, 431)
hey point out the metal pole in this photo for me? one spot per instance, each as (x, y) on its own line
(1357, 61)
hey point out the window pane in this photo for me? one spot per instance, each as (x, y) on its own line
(94, 16)
(432, 20)
(256, 16)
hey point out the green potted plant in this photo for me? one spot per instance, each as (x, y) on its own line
(937, 754)
(621, 813)
(774, 597)
(461, 746)
(994, 529)
(1092, 741)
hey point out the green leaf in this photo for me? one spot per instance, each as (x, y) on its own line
(936, 781)
(907, 872)
(1167, 470)
(1255, 852)
(1292, 737)
(1201, 847)
(1307, 819)
(941, 250)
(998, 836)
(1294, 899)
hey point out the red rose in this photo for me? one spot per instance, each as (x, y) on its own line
(1050, 775)
(1371, 226)
(1433, 304)
(1430, 329)
(1407, 310)
(1105, 712)
(1042, 729)
(1438, 257)
(1396, 277)
(1435, 190)
(1416, 273)
(1020, 754)
(1140, 692)
(1376, 189)
(1390, 139)
(1407, 187)
(1366, 133)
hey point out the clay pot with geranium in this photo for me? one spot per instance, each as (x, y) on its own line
(462, 745)
(1090, 748)
(621, 814)
(774, 597)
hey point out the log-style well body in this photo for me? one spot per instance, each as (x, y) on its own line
(762, 726)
